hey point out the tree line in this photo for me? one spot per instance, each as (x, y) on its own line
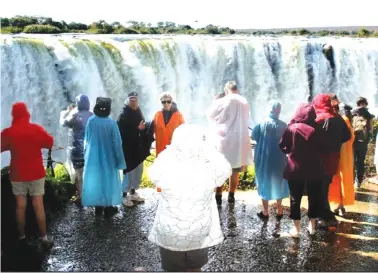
(304, 32)
(46, 25)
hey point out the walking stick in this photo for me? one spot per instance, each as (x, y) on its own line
(50, 163)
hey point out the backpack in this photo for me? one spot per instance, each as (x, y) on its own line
(360, 128)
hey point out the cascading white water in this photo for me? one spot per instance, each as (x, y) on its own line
(47, 72)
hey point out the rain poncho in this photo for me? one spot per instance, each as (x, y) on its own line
(76, 122)
(187, 171)
(341, 190)
(229, 117)
(270, 161)
(103, 160)
(25, 140)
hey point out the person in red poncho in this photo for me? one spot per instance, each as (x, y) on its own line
(334, 132)
(25, 140)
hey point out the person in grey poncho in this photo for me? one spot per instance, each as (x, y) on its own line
(75, 118)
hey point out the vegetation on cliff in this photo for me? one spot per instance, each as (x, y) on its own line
(46, 25)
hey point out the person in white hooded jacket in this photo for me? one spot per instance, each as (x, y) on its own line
(187, 220)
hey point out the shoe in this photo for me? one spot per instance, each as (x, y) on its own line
(218, 198)
(22, 243)
(262, 215)
(99, 210)
(110, 211)
(127, 202)
(294, 233)
(46, 244)
(136, 198)
(310, 229)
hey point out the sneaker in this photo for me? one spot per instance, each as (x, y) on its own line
(310, 229)
(294, 233)
(127, 202)
(46, 244)
(136, 198)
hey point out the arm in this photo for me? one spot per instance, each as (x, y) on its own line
(214, 110)
(117, 147)
(47, 141)
(371, 125)
(346, 135)
(256, 133)
(5, 141)
(67, 119)
(286, 142)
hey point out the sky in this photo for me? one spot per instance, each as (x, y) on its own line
(237, 14)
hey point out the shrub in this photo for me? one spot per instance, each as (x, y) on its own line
(41, 29)
(61, 174)
(246, 180)
(10, 30)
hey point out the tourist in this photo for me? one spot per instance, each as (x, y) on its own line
(136, 143)
(103, 160)
(165, 122)
(362, 123)
(270, 161)
(25, 140)
(75, 118)
(301, 141)
(341, 190)
(187, 219)
(230, 116)
(334, 132)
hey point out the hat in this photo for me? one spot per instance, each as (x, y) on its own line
(132, 95)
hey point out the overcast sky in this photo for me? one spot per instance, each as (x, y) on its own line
(232, 13)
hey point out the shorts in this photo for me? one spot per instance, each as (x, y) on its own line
(174, 261)
(239, 169)
(34, 188)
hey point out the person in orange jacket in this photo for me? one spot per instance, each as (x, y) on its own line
(165, 122)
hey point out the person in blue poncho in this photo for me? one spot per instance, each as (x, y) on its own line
(103, 160)
(75, 118)
(270, 161)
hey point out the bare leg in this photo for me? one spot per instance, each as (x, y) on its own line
(234, 181)
(40, 214)
(20, 214)
(265, 206)
(294, 232)
(279, 207)
(78, 186)
(219, 190)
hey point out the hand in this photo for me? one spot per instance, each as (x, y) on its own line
(70, 108)
(142, 125)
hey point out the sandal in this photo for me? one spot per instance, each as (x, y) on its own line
(262, 215)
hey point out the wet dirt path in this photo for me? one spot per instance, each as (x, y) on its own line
(85, 242)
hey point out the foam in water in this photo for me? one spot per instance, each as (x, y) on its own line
(47, 72)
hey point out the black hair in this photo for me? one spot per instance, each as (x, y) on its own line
(361, 100)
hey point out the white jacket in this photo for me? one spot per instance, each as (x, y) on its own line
(229, 117)
(187, 171)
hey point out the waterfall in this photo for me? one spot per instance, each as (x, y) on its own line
(48, 71)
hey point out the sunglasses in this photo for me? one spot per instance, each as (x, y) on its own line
(166, 101)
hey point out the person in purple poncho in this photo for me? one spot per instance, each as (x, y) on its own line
(304, 168)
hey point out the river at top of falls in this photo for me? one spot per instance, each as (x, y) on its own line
(48, 71)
